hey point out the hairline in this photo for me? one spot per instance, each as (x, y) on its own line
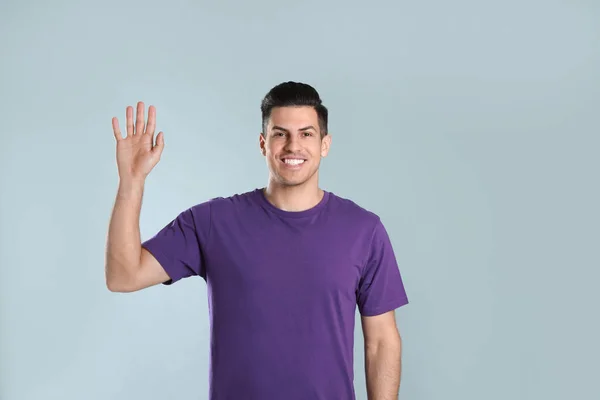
(322, 132)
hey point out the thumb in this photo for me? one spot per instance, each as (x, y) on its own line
(160, 144)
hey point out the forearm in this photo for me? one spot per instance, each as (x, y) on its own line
(123, 247)
(383, 366)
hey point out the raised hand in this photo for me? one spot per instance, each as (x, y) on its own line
(137, 153)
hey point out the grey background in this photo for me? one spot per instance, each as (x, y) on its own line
(470, 127)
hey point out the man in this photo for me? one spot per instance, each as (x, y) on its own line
(285, 265)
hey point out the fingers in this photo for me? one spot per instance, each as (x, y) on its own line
(139, 127)
(151, 120)
(129, 115)
(139, 122)
(116, 129)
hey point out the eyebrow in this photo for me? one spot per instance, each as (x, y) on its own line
(306, 128)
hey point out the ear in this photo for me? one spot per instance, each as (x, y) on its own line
(261, 144)
(325, 145)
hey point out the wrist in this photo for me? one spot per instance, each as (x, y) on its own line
(131, 185)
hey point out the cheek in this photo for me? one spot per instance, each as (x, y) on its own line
(272, 155)
(318, 151)
(272, 148)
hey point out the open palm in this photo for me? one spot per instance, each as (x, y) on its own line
(137, 153)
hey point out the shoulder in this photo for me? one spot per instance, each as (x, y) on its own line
(203, 216)
(225, 204)
(362, 225)
(354, 213)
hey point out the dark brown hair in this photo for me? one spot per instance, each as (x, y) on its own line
(293, 94)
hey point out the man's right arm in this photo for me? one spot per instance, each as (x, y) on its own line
(128, 266)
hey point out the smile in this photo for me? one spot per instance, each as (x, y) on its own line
(293, 161)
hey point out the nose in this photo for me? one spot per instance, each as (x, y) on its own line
(292, 144)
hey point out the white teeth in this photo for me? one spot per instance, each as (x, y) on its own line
(293, 161)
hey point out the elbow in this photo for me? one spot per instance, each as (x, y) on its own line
(115, 283)
(117, 287)
(113, 286)
(390, 342)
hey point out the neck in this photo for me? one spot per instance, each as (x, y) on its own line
(293, 198)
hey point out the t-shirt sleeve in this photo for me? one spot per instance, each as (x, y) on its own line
(380, 287)
(180, 246)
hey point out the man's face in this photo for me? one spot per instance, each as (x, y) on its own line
(293, 146)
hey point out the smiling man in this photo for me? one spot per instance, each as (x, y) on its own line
(286, 266)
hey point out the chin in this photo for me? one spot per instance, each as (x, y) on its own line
(283, 181)
(291, 175)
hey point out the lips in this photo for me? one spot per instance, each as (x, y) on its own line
(292, 158)
(293, 162)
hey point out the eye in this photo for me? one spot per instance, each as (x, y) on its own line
(308, 134)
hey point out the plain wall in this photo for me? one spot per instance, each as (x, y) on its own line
(470, 127)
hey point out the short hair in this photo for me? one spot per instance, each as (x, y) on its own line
(293, 94)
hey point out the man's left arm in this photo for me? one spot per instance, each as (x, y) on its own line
(383, 356)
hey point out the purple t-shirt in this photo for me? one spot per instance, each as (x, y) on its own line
(283, 288)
